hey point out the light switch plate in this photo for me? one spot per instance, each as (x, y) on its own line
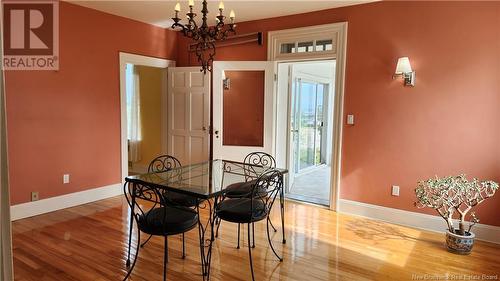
(395, 190)
(350, 119)
(66, 178)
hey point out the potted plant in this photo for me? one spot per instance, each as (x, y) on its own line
(455, 195)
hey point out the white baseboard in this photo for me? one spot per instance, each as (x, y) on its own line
(483, 232)
(43, 206)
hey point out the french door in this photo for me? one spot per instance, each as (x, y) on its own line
(243, 106)
(308, 115)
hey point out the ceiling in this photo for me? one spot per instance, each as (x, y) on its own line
(322, 69)
(159, 12)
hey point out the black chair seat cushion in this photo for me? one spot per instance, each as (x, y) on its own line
(243, 189)
(239, 210)
(177, 220)
(179, 199)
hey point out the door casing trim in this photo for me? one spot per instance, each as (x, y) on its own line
(340, 57)
(135, 59)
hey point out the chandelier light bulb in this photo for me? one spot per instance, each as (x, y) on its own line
(177, 7)
(191, 3)
(221, 5)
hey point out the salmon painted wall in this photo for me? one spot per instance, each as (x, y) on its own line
(448, 124)
(68, 121)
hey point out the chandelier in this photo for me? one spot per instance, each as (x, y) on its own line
(204, 36)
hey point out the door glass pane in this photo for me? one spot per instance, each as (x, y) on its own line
(243, 109)
(319, 122)
(307, 124)
(303, 47)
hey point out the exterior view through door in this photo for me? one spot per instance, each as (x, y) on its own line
(311, 92)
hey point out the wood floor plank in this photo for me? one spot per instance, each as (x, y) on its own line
(89, 242)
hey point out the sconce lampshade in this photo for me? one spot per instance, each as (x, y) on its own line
(403, 66)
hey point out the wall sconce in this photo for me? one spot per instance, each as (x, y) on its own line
(403, 69)
(226, 82)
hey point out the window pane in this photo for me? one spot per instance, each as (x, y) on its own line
(319, 122)
(304, 47)
(307, 124)
(243, 108)
(287, 48)
(324, 45)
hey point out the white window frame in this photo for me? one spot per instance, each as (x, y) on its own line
(305, 34)
(338, 31)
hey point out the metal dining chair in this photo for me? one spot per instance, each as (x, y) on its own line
(161, 219)
(165, 163)
(242, 189)
(253, 206)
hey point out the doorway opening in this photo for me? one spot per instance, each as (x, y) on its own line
(144, 115)
(143, 105)
(311, 122)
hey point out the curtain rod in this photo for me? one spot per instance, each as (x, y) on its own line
(227, 42)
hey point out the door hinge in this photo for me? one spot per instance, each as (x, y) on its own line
(275, 77)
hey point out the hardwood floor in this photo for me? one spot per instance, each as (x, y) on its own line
(89, 242)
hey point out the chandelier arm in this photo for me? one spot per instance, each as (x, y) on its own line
(213, 32)
(195, 25)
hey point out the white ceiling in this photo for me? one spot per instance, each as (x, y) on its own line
(322, 69)
(159, 12)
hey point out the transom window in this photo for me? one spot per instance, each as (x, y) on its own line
(316, 42)
(306, 46)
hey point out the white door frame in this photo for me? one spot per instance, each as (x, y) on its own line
(237, 153)
(339, 30)
(134, 59)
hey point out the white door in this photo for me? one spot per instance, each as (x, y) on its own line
(188, 114)
(222, 150)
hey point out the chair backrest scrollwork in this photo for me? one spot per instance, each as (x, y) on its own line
(267, 187)
(259, 159)
(163, 163)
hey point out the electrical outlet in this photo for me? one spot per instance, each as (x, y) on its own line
(395, 190)
(350, 119)
(66, 178)
(34, 196)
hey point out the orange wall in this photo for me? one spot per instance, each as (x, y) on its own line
(448, 124)
(68, 121)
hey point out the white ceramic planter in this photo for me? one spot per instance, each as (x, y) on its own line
(459, 244)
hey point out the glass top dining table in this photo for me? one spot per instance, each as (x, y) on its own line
(204, 180)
